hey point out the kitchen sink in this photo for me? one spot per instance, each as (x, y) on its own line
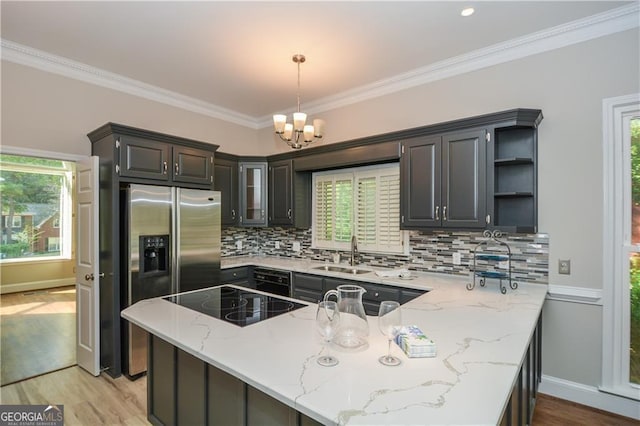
(343, 269)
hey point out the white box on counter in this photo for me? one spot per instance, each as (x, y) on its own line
(415, 343)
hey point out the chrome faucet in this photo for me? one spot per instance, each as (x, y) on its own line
(353, 260)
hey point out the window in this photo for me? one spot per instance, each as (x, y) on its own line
(621, 280)
(53, 244)
(364, 202)
(13, 222)
(32, 190)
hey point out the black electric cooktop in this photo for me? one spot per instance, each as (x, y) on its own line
(238, 306)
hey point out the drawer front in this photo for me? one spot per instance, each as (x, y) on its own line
(233, 274)
(378, 293)
(307, 295)
(408, 295)
(311, 282)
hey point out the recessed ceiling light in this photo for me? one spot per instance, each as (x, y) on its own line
(468, 11)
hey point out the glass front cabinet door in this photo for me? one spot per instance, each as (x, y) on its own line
(253, 194)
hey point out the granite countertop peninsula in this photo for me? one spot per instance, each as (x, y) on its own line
(481, 336)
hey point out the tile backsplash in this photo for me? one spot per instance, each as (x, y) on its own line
(429, 251)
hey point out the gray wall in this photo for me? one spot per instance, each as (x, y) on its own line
(49, 112)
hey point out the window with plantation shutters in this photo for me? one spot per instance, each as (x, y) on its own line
(363, 201)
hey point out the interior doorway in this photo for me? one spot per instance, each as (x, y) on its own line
(37, 332)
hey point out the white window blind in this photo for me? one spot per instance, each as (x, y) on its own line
(364, 202)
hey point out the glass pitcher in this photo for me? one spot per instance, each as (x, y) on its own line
(353, 331)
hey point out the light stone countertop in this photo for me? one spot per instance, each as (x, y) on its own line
(481, 335)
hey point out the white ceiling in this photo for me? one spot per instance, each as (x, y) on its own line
(237, 55)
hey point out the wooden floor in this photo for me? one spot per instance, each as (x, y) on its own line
(106, 401)
(87, 400)
(551, 411)
(37, 332)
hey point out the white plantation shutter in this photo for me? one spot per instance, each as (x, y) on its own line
(364, 202)
(378, 210)
(333, 210)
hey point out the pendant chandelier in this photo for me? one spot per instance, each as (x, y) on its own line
(298, 134)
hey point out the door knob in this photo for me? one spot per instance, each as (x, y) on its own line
(89, 277)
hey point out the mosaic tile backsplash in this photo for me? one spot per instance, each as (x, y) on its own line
(429, 251)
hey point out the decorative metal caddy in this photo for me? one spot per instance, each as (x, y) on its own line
(492, 250)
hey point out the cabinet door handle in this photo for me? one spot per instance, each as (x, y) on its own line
(437, 212)
(289, 213)
(233, 214)
(444, 213)
(177, 169)
(164, 167)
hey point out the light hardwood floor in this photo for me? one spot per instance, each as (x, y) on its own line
(102, 400)
(37, 332)
(87, 400)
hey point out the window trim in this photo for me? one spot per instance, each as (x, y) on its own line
(617, 112)
(335, 173)
(66, 220)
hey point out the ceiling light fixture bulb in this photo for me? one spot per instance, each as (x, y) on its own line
(467, 11)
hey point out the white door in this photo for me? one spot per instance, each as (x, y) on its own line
(87, 267)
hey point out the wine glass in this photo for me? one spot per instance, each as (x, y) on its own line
(327, 320)
(389, 322)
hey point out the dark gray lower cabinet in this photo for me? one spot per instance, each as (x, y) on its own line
(184, 390)
(312, 288)
(241, 276)
(522, 401)
(226, 399)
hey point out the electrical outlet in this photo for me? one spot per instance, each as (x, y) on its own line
(456, 258)
(564, 267)
(295, 246)
(277, 245)
(239, 245)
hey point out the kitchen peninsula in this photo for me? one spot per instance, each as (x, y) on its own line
(486, 370)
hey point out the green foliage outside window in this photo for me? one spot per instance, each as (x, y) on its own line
(634, 267)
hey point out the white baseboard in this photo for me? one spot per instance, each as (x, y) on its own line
(590, 396)
(35, 285)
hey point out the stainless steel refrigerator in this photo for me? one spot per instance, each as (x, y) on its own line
(172, 245)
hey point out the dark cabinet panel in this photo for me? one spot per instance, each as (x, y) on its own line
(444, 181)
(191, 389)
(226, 399)
(225, 180)
(192, 165)
(265, 410)
(464, 179)
(420, 186)
(281, 193)
(289, 195)
(161, 382)
(241, 276)
(144, 159)
(253, 193)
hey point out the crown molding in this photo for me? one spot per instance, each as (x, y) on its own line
(28, 56)
(599, 25)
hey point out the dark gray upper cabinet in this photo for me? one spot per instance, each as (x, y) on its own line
(191, 165)
(289, 195)
(512, 179)
(281, 193)
(420, 182)
(142, 158)
(443, 181)
(464, 171)
(253, 193)
(149, 159)
(225, 180)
